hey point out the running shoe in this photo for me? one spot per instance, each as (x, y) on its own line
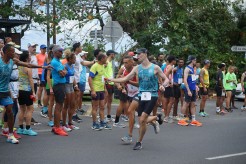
(229, 110)
(81, 111)
(136, 126)
(110, 119)
(73, 127)
(29, 132)
(183, 123)
(66, 129)
(220, 113)
(176, 118)
(170, 120)
(105, 126)
(243, 108)
(223, 111)
(12, 139)
(127, 139)
(205, 114)
(165, 120)
(34, 122)
(40, 104)
(76, 118)
(50, 123)
(5, 133)
(160, 120)
(95, 127)
(156, 127)
(196, 123)
(138, 146)
(44, 112)
(59, 131)
(119, 125)
(201, 114)
(125, 118)
(20, 131)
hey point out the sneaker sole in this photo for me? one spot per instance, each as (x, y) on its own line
(12, 142)
(183, 124)
(96, 129)
(196, 125)
(128, 143)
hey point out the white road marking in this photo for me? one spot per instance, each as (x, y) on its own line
(226, 156)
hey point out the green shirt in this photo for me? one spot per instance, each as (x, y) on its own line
(97, 72)
(228, 86)
(109, 73)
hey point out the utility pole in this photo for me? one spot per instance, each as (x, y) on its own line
(54, 22)
(48, 22)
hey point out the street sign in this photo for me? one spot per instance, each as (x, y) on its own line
(238, 48)
(99, 34)
(112, 31)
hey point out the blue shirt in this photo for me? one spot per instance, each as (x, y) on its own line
(5, 73)
(191, 83)
(148, 81)
(70, 73)
(198, 70)
(83, 75)
(163, 67)
(177, 75)
(57, 66)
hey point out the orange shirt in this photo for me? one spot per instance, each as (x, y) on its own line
(64, 61)
(40, 59)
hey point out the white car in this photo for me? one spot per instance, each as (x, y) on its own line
(87, 87)
(239, 92)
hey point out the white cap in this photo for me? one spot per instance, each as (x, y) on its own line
(18, 51)
(83, 53)
(32, 44)
(13, 44)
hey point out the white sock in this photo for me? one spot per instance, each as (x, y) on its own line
(217, 109)
(193, 117)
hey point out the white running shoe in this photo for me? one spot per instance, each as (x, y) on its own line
(66, 129)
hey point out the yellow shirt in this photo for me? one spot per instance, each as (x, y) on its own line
(205, 78)
(97, 72)
(109, 73)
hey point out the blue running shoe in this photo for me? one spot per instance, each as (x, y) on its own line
(104, 125)
(20, 131)
(127, 139)
(95, 127)
(30, 132)
(51, 123)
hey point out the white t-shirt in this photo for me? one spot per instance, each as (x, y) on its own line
(77, 68)
(34, 70)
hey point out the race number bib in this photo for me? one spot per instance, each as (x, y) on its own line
(193, 77)
(231, 83)
(103, 79)
(145, 96)
(180, 80)
(71, 79)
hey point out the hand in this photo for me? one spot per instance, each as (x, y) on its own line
(93, 94)
(51, 91)
(162, 88)
(189, 93)
(119, 87)
(205, 89)
(63, 73)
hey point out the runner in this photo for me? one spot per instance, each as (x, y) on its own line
(168, 93)
(6, 66)
(40, 59)
(77, 49)
(58, 74)
(190, 93)
(148, 92)
(229, 82)
(203, 87)
(177, 81)
(109, 73)
(97, 85)
(243, 84)
(219, 88)
(69, 104)
(126, 90)
(26, 96)
(232, 104)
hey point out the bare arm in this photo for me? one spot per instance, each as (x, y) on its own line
(242, 80)
(186, 73)
(162, 75)
(90, 83)
(126, 78)
(202, 78)
(49, 80)
(29, 65)
(29, 73)
(87, 63)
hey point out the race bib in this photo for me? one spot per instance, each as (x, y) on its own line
(103, 79)
(71, 79)
(231, 83)
(193, 77)
(180, 80)
(145, 96)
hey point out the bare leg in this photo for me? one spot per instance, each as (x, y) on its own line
(57, 116)
(131, 113)
(10, 118)
(143, 126)
(51, 104)
(95, 105)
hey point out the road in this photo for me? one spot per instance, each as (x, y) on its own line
(219, 136)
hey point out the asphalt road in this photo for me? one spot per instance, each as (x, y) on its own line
(219, 136)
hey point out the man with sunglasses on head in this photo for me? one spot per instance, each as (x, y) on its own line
(148, 92)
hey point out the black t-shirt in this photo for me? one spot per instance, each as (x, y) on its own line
(219, 78)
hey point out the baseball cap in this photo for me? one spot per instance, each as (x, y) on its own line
(51, 47)
(43, 46)
(111, 52)
(221, 65)
(190, 58)
(13, 44)
(141, 50)
(206, 61)
(32, 44)
(83, 53)
(57, 48)
(18, 51)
